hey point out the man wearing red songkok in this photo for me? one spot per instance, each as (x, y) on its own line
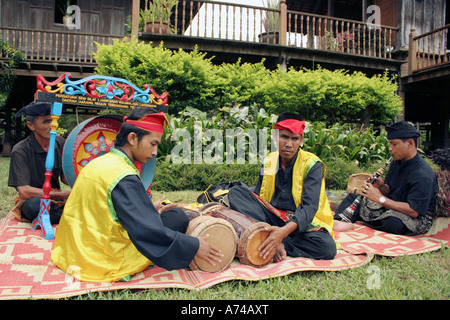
(110, 229)
(290, 196)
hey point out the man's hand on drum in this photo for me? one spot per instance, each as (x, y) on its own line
(207, 252)
(157, 204)
(272, 245)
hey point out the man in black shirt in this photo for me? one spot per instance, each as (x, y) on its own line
(291, 199)
(27, 166)
(119, 230)
(400, 203)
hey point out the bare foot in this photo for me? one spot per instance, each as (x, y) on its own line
(280, 254)
(342, 226)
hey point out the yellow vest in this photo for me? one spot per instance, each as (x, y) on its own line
(90, 243)
(304, 162)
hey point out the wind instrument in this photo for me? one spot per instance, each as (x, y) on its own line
(347, 214)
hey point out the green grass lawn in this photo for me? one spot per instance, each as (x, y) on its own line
(416, 277)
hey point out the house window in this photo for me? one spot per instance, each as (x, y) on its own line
(61, 9)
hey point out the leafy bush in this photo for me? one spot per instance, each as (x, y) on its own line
(7, 79)
(345, 150)
(186, 76)
(192, 80)
(242, 122)
(338, 171)
(174, 177)
(331, 96)
(248, 96)
(443, 196)
(360, 144)
(441, 157)
(236, 83)
(353, 144)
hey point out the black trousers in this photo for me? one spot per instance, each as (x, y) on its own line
(174, 219)
(391, 224)
(313, 244)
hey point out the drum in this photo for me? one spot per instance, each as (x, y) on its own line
(250, 234)
(91, 139)
(221, 236)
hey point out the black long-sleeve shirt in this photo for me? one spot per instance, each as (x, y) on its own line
(413, 181)
(283, 199)
(166, 248)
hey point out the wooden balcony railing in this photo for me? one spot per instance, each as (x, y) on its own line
(279, 26)
(217, 20)
(55, 46)
(428, 50)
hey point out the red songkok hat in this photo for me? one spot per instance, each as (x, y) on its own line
(294, 125)
(153, 122)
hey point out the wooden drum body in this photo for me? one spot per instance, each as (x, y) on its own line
(250, 233)
(222, 236)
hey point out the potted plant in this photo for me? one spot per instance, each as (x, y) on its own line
(62, 6)
(271, 23)
(156, 17)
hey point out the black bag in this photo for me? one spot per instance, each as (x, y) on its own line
(216, 193)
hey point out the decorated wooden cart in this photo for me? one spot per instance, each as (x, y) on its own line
(95, 136)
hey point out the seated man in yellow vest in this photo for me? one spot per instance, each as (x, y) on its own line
(290, 196)
(110, 229)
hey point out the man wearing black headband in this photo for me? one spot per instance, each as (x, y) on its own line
(27, 166)
(401, 203)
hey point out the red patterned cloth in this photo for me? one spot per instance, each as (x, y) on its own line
(283, 215)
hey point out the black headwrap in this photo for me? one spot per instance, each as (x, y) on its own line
(402, 130)
(288, 115)
(35, 109)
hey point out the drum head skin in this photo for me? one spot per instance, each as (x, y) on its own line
(91, 139)
(249, 243)
(221, 236)
(251, 233)
(209, 207)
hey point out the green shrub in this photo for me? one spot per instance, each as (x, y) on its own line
(190, 122)
(441, 157)
(339, 170)
(443, 196)
(363, 145)
(7, 78)
(192, 80)
(188, 77)
(174, 177)
(331, 96)
(360, 144)
(236, 83)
